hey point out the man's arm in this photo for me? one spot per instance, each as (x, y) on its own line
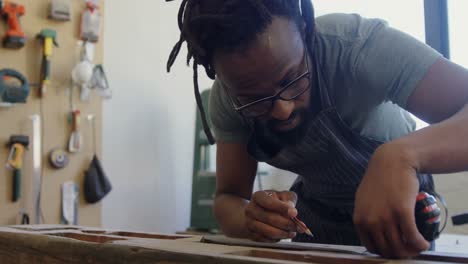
(235, 175)
(385, 200)
(440, 98)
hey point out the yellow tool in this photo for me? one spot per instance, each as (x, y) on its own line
(17, 145)
(49, 38)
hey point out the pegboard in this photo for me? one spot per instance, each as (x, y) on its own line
(55, 112)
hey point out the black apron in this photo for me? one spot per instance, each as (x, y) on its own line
(330, 162)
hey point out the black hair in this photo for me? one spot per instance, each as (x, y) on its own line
(230, 25)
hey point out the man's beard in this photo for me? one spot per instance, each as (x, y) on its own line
(292, 136)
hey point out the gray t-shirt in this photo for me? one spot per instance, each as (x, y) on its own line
(370, 69)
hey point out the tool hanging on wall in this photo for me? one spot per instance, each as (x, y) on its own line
(37, 146)
(96, 183)
(90, 22)
(58, 159)
(23, 217)
(14, 87)
(17, 145)
(100, 83)
(88, 76)
(69, 206)
(82, 73)
(60, 10)
(49, 39)
(76, 141)
(11, 12)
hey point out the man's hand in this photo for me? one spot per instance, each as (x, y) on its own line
(385, 202)
(268, 216)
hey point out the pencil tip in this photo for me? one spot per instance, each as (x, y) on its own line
(309, 233)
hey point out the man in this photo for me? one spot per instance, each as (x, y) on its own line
(325, 99)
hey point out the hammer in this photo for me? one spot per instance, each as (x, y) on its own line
(49, 39)
(17, 144)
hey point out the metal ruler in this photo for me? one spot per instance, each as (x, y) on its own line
(37, 166)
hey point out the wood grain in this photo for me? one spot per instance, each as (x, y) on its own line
(62, 244)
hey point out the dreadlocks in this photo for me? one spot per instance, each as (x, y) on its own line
(229, 25)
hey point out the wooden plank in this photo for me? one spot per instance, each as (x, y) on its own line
(72, 244)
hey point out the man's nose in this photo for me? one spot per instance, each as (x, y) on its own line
(282, 109)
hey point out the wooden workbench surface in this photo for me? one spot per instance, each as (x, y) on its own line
(74, 244)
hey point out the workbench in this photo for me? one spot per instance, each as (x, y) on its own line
(75, 244)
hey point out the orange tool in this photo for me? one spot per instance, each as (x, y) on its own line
(11, 12)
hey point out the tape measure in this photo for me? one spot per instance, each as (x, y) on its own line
(58, 159)
(427, 214)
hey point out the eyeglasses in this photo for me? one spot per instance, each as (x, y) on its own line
(290, 91)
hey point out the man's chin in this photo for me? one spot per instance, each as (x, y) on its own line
(289, 125)
(284, 129)
(292, 136)
(293, 132)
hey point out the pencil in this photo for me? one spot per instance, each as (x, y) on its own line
(302, 226)
(296, 221)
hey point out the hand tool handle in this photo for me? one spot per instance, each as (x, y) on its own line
(15, 158)
(45, 75)
(76, 120)
(16, 184)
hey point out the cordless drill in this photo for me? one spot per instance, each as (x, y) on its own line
(11, 12)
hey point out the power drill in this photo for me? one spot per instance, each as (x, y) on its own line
(11, 12)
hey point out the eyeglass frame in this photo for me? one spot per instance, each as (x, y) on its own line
(277, 95)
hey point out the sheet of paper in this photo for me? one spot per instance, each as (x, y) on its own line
(219, 239)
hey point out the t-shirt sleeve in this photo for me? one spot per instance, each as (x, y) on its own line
(228, 126)
(389, 63)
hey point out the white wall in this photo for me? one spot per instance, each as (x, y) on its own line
(148, 126)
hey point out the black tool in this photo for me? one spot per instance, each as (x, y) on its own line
(427, 214)
(25, 218)
(14, 87)
(460, 219)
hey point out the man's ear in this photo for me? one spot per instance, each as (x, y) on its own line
(303, 27)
